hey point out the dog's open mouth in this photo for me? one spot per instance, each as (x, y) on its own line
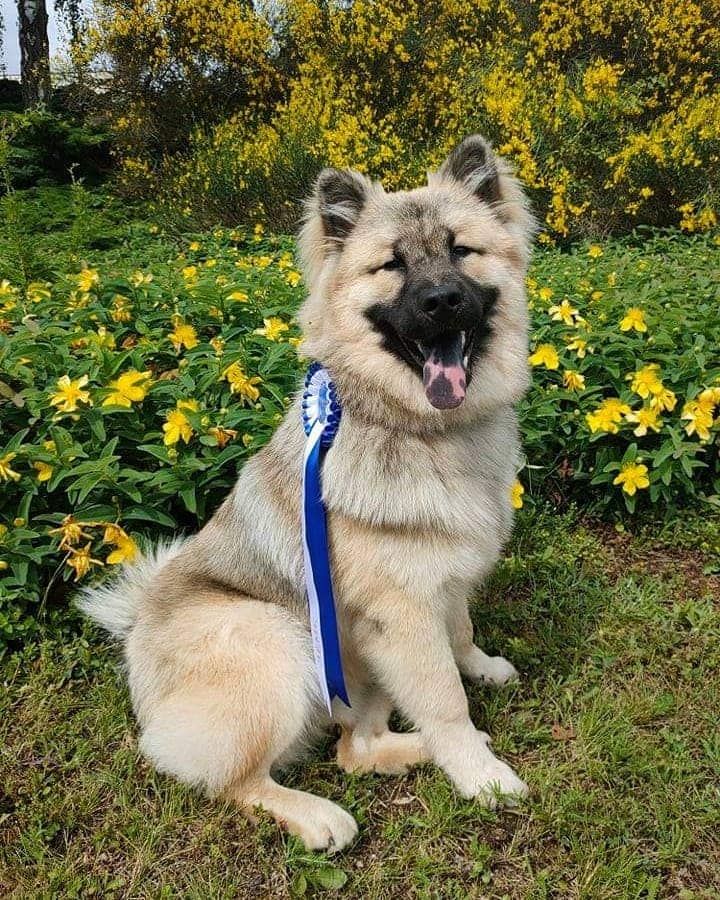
(443, 363)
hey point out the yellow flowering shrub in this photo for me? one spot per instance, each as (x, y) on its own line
(610, 112)
(625, 398)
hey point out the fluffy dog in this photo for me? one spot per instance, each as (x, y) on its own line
(417, 308)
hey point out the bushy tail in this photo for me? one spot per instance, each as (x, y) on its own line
(115, 604)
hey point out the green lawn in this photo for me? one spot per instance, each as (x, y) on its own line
(614, 726)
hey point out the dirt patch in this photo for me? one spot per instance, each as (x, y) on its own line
(628, 554)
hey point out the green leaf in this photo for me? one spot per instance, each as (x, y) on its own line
(188, 498)
(329, 877)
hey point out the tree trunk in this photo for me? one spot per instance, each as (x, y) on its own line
(34, 51)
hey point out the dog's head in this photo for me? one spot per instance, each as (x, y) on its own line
(417, 297)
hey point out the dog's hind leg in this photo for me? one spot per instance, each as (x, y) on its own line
(470, 659)
(367, 745)
(225, 692)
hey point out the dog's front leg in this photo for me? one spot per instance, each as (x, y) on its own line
(406, 644)
(472, 662)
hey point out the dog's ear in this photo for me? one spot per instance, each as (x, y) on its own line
(339, 197)
(474, 164)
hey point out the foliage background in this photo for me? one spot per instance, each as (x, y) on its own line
(609, 110)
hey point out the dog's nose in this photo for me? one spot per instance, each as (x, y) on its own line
(441, 302)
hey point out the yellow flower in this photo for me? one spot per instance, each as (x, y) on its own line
(296, 341)
(183, 336)
(594, 251)
(247, 439)
(564, 312)
(516, 494)
(70, 532)
(194, 246)
(189, 273)
(69, 394)
(607, 416)
(6, 289)
(573, 380)
(241, 384)
(612, 279)
(131, 387)
(699, 419)
(645, 417)
(259, 229)
(121, 309)
(218, 344)
(634, 319)
(262, 262)
(177, 425)
(663, 399)
(139, 278)
(274, 327)
(125, 547)
(44, 471)
(580, 346)
(37, 291)
(7, 473)
(87, 279)
(545, 293)
(240, 296)
(104, 338)
(293, 278)
(646, 381)
(81, 561)
(545, 355)
(222, 435)
(632, 477)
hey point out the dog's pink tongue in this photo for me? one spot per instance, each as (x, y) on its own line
(444, 374)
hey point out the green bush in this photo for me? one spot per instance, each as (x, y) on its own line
(46, 146)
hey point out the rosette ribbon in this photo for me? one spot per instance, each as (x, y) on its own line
(321, 417)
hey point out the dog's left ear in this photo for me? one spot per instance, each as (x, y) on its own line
(473, 163)
(340, 195)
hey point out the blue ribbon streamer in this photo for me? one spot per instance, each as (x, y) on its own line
(321, 416)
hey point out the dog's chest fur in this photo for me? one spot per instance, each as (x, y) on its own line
(429, 513)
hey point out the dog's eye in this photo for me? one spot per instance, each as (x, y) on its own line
(459, 251)
(391, 265)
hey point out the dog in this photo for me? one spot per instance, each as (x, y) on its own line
(417, 309)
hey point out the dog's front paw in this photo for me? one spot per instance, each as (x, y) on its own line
(494, 670)
(496, 783)
(477, 773)
(499, 671)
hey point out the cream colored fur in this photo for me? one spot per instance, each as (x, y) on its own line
(215, 629)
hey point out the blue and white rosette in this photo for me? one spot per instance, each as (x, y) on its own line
(321, 417)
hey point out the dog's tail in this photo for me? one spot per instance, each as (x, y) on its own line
(115, 605)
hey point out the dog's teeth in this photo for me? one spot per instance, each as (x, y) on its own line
(465, 360)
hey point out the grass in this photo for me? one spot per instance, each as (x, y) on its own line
(614, 726)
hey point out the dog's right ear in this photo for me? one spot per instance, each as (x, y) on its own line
(339, 197)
